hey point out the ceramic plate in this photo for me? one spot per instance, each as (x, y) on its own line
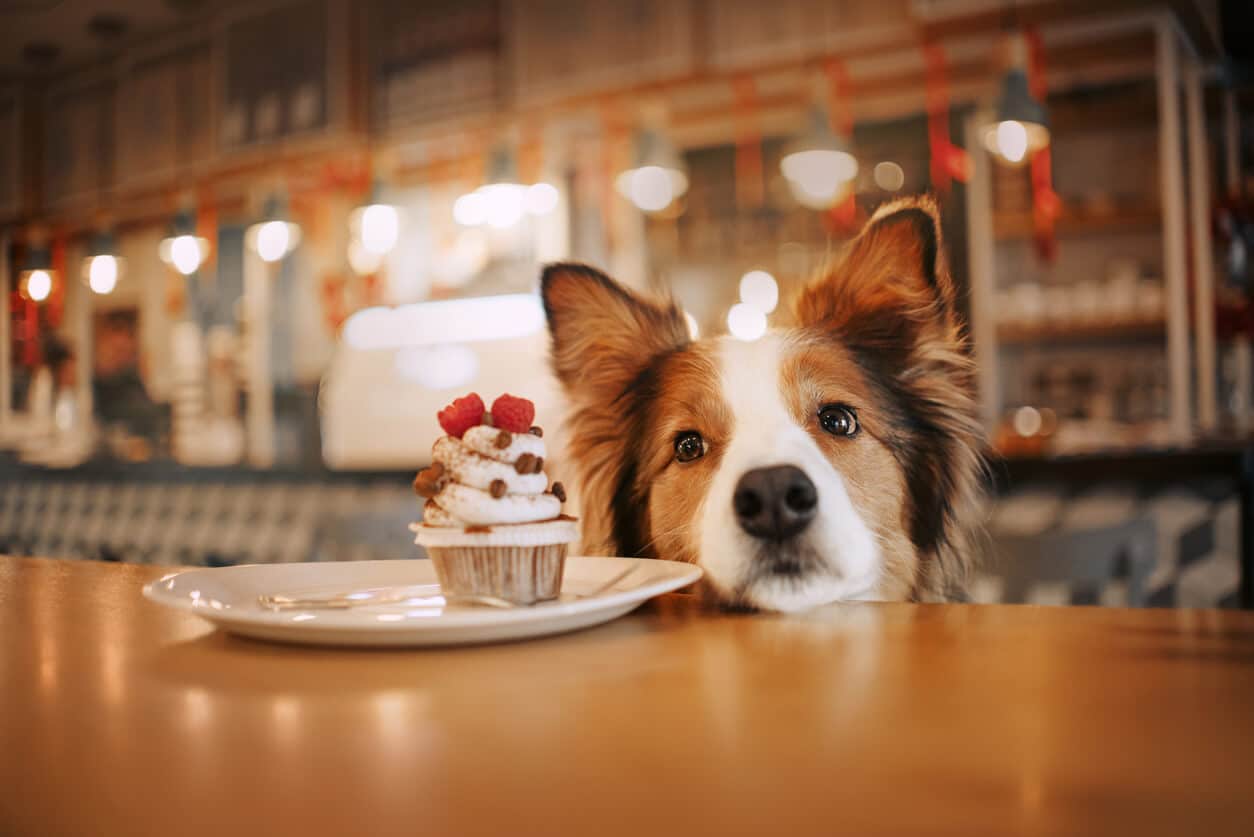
(228, 597)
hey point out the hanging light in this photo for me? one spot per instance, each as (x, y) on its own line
(103, 268)
(273, 237)
(503, 199)
(183, 249)
(377, 225)
(658, 176)
(1020, 126)
(35, 280)
(819, 164)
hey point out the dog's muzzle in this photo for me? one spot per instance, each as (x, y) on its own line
(776, 503)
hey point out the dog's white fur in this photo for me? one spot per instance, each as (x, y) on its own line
(765, 435)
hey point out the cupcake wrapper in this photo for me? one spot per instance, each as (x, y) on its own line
(520, 574)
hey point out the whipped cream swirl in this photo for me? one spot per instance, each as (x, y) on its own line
(485, 481)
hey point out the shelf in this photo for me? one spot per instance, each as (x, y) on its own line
(1137, 329)
(1080, 221)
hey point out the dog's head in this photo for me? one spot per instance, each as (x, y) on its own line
(835, 459)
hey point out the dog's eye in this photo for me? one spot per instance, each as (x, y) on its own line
(839, 420)
(689, 446)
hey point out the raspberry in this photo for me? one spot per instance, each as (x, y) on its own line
(513, 414)
(463, 414)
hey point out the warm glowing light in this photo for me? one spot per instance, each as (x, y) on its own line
(888, 176)
(448, 321)
(470, 210)
(541, 198)
(694, 330)
(819, 177)
(102, 274)
(759, 289)
(1012, 141)
(504, 204)
(38, 285)
(379, 228)
(184, 252)
(273, 240)
(652, 188)
(1028, 421)
(746, 322)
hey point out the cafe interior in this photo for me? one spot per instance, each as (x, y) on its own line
(249, 250)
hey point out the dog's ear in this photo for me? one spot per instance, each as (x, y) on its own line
(895, 270)
(605, 339)
(604, 335)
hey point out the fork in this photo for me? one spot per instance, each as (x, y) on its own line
(379, 596)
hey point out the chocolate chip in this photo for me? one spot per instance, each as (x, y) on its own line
(429, 481)
(539, 466)
(498, 488)
(525, 463)
(536, 431)
(486, 418)
(504, 439)
(559, 491)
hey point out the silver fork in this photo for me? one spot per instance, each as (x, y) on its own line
(375, 596)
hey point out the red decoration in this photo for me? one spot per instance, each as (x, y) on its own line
(1046, 205)
(464, 413)
(512, 413)
(949, 162)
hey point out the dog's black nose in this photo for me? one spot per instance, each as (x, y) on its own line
(775, 503)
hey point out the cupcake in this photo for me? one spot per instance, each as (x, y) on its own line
(492, 524)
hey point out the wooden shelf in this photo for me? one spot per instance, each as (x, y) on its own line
(1109, 330)
(1080, 221)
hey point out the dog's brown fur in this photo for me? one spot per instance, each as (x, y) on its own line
(885, 311)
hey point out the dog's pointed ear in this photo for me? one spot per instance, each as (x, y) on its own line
(604, 335)
(896, 265)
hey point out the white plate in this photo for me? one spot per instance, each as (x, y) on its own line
(228, 597)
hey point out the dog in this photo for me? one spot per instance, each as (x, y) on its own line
(837, 459)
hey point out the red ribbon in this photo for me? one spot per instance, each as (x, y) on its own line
(948, 162)
(1046, 205)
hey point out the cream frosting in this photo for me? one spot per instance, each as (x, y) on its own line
(472, 464)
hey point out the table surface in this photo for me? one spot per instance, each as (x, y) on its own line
(120, 717)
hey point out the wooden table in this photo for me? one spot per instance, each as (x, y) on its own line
(118, 717)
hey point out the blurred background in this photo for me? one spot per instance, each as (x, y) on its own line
(247, 250)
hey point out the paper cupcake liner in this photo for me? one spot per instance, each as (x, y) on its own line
(520, 574)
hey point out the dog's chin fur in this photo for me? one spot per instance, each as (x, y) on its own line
(897, 501)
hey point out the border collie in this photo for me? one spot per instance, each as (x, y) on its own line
(836, 459)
